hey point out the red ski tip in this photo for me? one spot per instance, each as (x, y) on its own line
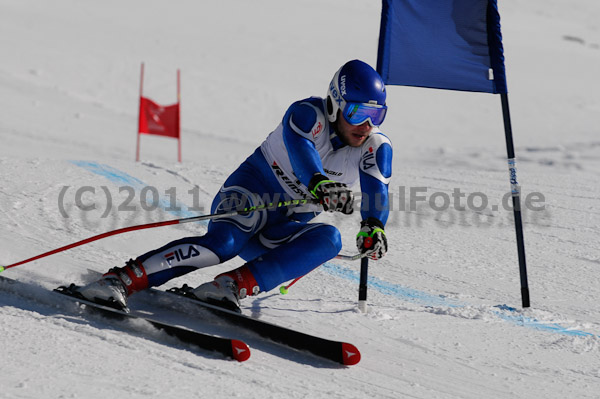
(351, 355)
(241, 351)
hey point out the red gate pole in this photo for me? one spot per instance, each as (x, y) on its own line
(137, 151)
(179, 115)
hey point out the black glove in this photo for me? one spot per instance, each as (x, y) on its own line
(371, 239)
(332, 195)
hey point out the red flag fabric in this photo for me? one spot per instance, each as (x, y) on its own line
(158, 119)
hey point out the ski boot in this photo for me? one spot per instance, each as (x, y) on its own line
(227, 289)
(116, 285)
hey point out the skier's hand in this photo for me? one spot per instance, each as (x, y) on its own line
(371, 239)
(332, 195)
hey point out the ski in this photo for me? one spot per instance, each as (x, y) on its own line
(340, 352)
(231, 348)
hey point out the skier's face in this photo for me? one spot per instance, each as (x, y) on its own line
(351, 135)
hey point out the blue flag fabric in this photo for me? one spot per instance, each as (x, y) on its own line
(443, 44)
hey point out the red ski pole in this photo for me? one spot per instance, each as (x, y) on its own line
(159, 224)
(284, 288)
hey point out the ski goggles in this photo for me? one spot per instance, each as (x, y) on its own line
(358, 113)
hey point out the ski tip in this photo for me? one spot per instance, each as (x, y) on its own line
(350, 354)
(240, 350)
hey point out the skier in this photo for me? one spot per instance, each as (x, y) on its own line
(320, 149)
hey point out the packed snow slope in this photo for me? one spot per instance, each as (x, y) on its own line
(444, 317)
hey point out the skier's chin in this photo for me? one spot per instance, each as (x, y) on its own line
(360, 138)
(355, 140)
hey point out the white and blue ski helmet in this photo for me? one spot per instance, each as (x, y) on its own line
(359, 92)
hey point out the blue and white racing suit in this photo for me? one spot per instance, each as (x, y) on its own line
(281, 244)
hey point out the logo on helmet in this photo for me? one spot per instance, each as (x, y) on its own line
(343, 85)
(334, 91)
(335, 94)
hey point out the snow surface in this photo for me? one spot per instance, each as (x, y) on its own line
(444, 316)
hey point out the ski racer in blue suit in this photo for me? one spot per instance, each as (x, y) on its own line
(320, 149)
